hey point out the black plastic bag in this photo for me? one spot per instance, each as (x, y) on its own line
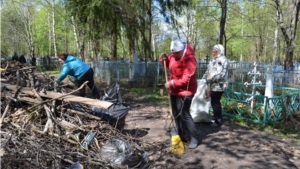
(112, 94)
(115, 114)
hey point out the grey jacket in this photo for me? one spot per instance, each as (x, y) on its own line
(216, 74)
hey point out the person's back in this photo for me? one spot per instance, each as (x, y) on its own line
(15, 57)
(75, 67)
(22, 59)
(33, 61)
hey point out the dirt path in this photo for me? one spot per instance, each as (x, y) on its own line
(229, 146)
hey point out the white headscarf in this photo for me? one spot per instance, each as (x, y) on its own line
(220, 48)
(176, 44)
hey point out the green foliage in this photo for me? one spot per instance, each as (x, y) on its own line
(118, 28)
(277, 128)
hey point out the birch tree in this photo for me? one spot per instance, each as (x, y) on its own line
(53, 28)
(20, 18)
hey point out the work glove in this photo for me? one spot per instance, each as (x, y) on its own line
(167, 85)
(163, 56)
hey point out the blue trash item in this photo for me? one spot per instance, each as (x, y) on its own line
(88, 140)
(77, 165)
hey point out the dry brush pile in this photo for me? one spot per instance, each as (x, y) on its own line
(44, 126)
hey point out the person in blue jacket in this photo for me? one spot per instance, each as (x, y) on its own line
(80, 71)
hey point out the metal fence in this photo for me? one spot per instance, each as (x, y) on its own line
(286, 100)
(47, 63)
(151, 73)
(264, 110)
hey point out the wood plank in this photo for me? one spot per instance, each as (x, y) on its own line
(71, 98)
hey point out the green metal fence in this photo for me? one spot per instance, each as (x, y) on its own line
(284, 103)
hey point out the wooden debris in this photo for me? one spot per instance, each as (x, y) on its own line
(59, 96)
(41, 137)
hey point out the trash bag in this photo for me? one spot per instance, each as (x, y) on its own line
(76, 106)
(112, 94)
(124, 153)
(200, 104)
(115, 114)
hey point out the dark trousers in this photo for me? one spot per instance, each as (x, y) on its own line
(88, 76)
(183, 119)
(216, 106)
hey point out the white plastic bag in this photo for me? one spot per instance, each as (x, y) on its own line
(200, 104)
(123, 153)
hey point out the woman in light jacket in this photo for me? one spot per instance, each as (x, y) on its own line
(216, 77)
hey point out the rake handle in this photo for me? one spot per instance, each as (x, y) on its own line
(170, 108)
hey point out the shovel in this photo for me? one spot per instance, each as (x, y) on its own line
(177, 144)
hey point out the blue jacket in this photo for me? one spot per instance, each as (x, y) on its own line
(73, 67)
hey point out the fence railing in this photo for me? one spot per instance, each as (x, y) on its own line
(284, 103)
(110, 71)
(151, 73)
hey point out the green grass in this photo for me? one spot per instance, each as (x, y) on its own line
(278, 128)
(52, 72)
(151, 94)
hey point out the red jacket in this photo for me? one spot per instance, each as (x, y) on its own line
(182, 80)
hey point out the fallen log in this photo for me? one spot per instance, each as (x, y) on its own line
(59, 96)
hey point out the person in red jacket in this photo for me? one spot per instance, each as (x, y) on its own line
(182, 85)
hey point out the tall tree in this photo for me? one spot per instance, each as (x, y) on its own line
(222, 35)
(19, 17)
(53, 29)
(287, 21)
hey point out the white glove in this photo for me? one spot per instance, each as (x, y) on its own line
(167, 85)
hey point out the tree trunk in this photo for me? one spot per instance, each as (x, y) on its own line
(223, 21)
(114, 39)
(28, 27)
(75, 33)
(150, 52)
(50, 44)
(288, 28)
(275, 46)
(53, 28)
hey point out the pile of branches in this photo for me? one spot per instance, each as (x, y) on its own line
(38, 132)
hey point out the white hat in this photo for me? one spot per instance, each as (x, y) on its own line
(176, 44)
(220, 48)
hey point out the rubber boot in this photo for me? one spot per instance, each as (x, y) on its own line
(193, 142)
